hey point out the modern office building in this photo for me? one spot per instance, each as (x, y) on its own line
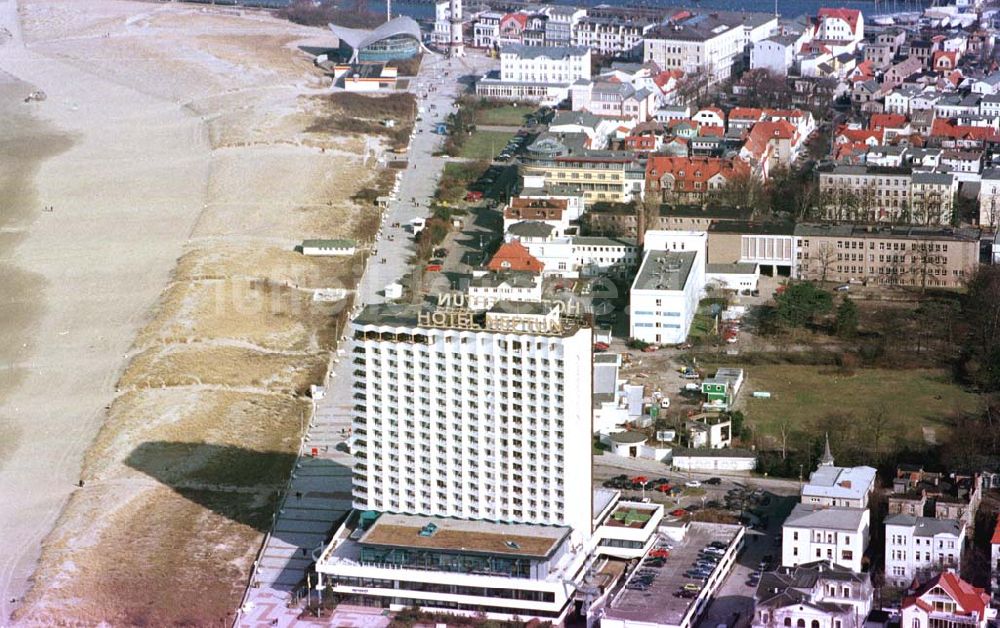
(664, 296)
(904, 256)
(472, 477)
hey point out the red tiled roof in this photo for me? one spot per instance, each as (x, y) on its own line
(887, 120)
(746, 113)
(663, 78)
(944, 128)
(996, 533)
(848, 15)
(687, 171)
(969, 598)
(762, 133)
(711, 131)
(520, 18)
(859, 135)
(535, 209)
(513, 256)
(950, 55)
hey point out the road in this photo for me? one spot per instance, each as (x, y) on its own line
(320, 490)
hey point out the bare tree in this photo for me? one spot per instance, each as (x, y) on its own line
(876, 425)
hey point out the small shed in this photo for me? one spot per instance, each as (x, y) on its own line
(329, 247)
(394, 291)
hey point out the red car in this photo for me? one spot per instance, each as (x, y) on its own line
(434, 268)
(474, 195)
(601, 346)
(680, 512)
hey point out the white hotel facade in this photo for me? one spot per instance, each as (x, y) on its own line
(472, 476)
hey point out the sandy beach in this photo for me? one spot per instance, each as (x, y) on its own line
(156, 326)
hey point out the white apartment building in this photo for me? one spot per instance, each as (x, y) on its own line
(544, 64)
(610, 35)
(472, 476)
(561, 22)
(664, 296)
(818, 594)
(813, 533)
(775, 54)
(989, 198)
(583, 256)
(487, 289)
(919, 547)
(437, 397)
(486, 29)
(885, 194)
(709, 47)
(542, 73)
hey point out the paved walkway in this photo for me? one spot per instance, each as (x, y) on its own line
(320, 489)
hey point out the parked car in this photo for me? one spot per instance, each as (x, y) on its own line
(433, 268)
(474, 195)
(601, 346)
(692, 484)
(714, 481)
(679, 512)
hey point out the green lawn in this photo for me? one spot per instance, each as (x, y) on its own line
(484, 144)
(806, 395)
(507, 115)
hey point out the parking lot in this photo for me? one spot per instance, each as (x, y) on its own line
(656, 594)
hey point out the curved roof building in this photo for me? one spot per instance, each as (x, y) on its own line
(399, 38)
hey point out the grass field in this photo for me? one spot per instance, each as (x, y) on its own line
(503, 116)
(912, 399)
(484, 144)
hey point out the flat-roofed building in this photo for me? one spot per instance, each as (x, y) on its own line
(600, 175)
(655, 605)
(664, 296)
(940, 257)
(887, 194)
(472, 479)
(768, 245)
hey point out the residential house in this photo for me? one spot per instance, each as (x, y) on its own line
(812, 532)
(513, 256)
(820, 594)
(947, 600)
(919, 547)
(840, 29)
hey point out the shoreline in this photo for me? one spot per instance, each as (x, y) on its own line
(79, 314)
(176, 343)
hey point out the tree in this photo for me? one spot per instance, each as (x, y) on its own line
(846, 323)
(981, 309)
(800, 302)
(876, 423)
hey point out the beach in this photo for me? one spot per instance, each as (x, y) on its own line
(157, 331)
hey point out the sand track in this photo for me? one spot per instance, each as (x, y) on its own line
(173, 332)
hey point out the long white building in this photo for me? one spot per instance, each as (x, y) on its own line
(919, 547)
(472, 477)
(540, 73)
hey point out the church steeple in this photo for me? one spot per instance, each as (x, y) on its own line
(827, 459)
